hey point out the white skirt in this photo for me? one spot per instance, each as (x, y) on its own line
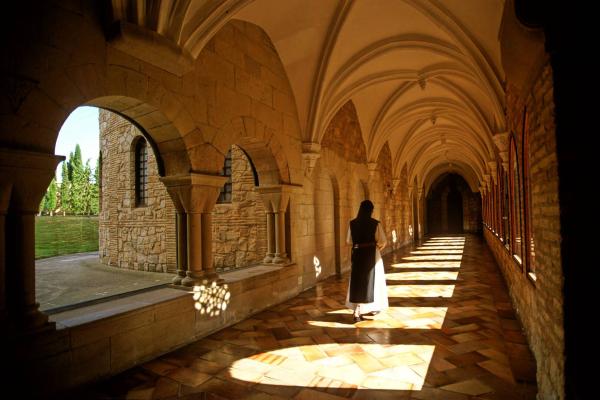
(380, 297)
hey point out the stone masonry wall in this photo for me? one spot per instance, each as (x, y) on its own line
(539, 304)
(140, 238)
(144, 238)
(239, 227)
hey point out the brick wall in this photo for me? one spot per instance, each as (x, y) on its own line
(539, 304)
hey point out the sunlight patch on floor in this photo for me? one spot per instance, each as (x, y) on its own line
(409, 291)
(392, 318)
(434, 257)
(366, 366)
(428, 264)
(422, 276)
(449, 251)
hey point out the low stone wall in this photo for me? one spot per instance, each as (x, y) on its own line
(99, 341)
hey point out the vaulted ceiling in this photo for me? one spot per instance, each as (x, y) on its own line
(424, 75)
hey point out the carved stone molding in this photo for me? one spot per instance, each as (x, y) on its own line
(311, 152)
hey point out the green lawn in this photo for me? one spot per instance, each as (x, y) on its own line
(55, 236)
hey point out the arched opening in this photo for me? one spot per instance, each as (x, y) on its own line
(95, 222)
(455, 211)
(452, 207)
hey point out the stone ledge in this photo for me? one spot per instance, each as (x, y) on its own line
(100, 340)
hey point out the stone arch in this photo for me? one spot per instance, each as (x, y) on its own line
(158, 130)
(344, 136)
(248, 102)
(262, 146)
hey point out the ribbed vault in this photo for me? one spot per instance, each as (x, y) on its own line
(424, 75)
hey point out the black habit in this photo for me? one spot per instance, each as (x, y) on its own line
(362, 277)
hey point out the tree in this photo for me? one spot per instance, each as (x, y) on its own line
(49, 201)
(65, 189)
(78, 193)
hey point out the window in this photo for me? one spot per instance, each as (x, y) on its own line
(529, 247)
(141, 172)
(506, 233)
(226, 190)
(516, 220)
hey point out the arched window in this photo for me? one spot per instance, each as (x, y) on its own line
(506, 232)
(226, 191)
(516, 220)
(141, 172)
(529, 247)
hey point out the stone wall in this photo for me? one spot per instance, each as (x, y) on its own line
(143, 238)
(131, 236)
(343, 135)
(239, 227)
(539, 303)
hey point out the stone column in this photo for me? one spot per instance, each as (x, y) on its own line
(197, 195)
(276, 199)
(270, 237)
(280, 251)
(181, 238)
(28, 174)
(181, 247)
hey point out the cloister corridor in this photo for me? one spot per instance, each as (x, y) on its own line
(450, 333)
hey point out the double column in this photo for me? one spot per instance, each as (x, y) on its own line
(24, 178)
(194, 196)
(275, 199)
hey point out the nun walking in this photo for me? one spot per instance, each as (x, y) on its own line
(367, 291)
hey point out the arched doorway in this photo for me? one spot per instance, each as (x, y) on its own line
(455, 211)
(450, 205)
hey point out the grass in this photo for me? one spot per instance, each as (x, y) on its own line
(58, 235)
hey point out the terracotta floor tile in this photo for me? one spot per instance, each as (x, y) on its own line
(472, 387)
(464, 344)
(188, 376)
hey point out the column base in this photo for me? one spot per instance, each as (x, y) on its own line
(280, 259)
(268, 258)
(179, 277)
(200, 279)
(31, 320)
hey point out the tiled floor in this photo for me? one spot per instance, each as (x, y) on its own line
(450, 333)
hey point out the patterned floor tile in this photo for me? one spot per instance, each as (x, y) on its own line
(450, 333)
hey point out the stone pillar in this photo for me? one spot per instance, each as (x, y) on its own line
(28, 174)
(270, 237)
(196, 194)
(181, 238)
(181, 247)
(421, 214)
(280, 251)
(276, 199)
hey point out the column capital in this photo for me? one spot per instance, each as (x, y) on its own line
(493, 168)
(28, 174)
(311, 152)
(276, 197)
(372, 166)
(194, 192)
